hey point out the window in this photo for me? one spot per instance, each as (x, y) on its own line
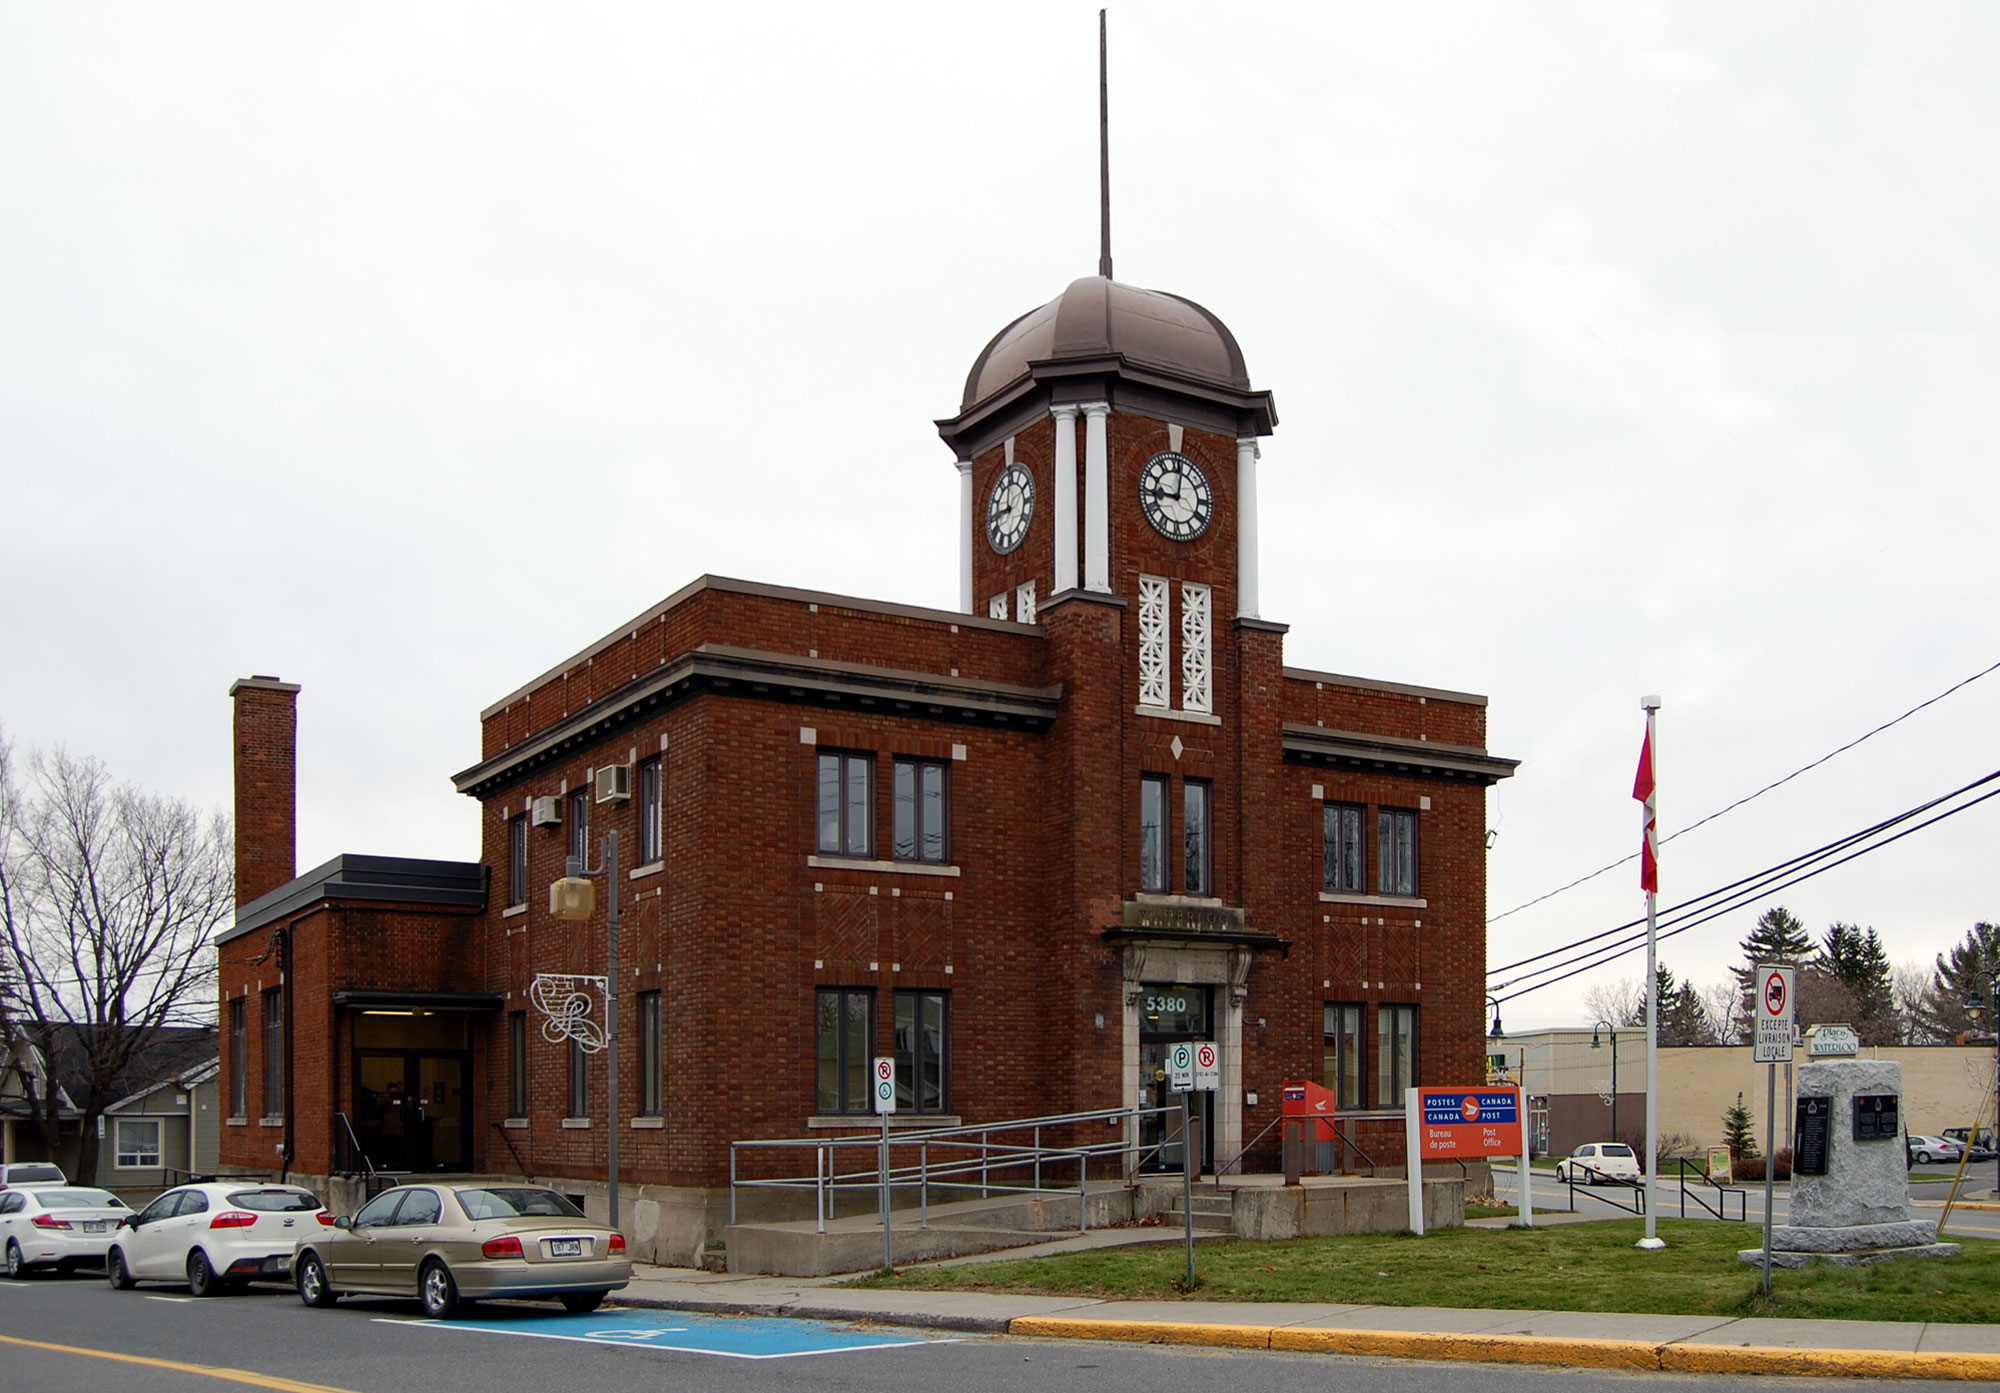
(996, 608)
(923, 1051)
(1197, 672)
(1344, 1067)
(378, 1211)
(649, 811)
(517, 1064)
(420, 1207)
(579, 824)
(846, 803)
(274, 1053)
(517, 861)
(1340, 871)
(1153, 642)
(579, 1080)
(1153, 833)
(1024, 602)
(650, 1063)
(1197, 859)
(846, 1035)
(1395, 851)
(1395, 1054)
(920, 810)
(239, 1105)
(138, 1143)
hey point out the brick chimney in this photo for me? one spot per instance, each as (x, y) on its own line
(267, 798)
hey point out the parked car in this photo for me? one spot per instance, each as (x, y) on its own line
(1982, 1145)
(214, 1236)
(27, 1174)
(1595, 1162)
(451, 1244)
(1925, 1150)
(57, 1226)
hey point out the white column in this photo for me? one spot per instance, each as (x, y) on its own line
(1246, 528)
(1096, 498)
(1065, 498)
(966, 536)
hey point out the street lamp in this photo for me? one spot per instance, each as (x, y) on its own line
(573, 898)
(1975, 1006)
(1598, 1044)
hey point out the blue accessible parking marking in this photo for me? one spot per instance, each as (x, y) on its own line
(687, 1332)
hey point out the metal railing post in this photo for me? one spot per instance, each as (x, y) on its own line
(1083, 1192)
(732, 1182)
(1038, 1160)
(984, 1139)
(819, 1186)
(924, 1185)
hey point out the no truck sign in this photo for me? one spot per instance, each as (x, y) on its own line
(1774, 1014)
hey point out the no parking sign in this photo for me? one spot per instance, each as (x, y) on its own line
(885, 1083)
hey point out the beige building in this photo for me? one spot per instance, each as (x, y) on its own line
(1569, 1086)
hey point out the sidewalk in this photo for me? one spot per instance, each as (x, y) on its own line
(1688, 1344)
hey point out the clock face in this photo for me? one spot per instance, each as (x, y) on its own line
(1175, 496)
(1009, 508)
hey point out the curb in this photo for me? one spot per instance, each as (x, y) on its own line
(1525, 1349)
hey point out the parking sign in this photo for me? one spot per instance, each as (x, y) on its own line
(1180, 1066)
(885, 1083)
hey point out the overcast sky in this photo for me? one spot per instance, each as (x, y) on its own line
(401, 351)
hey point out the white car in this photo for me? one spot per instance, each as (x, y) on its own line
(214, 1236)
(1925, 1150)
(57, 1226)
(19, 1175)
(1598, 1162)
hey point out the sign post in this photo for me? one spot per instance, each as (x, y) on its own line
(1448, 1123)
(885, 1106)
(1191, 1065)
(1773, 1047)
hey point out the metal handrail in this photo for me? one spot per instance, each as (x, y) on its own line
(512, 1149)
(1237, 1159)
(1637, 1187)
(826, 1179)
(354, 1145)
(1721, 1206)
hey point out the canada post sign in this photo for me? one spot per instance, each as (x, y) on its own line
(1470, 1122)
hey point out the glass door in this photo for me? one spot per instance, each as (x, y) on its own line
(1169, 1013)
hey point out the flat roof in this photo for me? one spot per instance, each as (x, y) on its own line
(387, 879)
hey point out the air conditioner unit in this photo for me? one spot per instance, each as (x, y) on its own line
(546, 812)
(614, 783)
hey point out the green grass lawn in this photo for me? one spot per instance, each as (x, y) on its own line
(1571, 1267)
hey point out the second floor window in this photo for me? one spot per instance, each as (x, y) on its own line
(920, 810)
(1395, 852)
(649, 811)
(846, 803)
(579, 824)
(1153, 833)
(1341, 869)
(517, 861)
(1195, 838)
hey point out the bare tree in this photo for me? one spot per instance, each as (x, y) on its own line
(109, 900)
(1619, 1002)
(1722, 1002)
(1911, 983)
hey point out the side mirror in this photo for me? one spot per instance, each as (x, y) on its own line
(130, 1221)
(343, 1222)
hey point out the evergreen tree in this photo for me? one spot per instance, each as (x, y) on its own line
(1740, 1132)
(1970, 963)
(1857, 960)
(1683, 1019)
(1778, 938)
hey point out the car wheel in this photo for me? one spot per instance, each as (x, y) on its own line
(314, 1289)
(438, 1290)
(17, 1267)
(579, 1303)
(202, 1280)
(116, 1272)
(1924, 1156)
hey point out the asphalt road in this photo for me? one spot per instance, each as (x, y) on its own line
(1602, 1202)
(56, 1334)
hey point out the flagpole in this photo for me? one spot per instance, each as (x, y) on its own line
(1651, 856)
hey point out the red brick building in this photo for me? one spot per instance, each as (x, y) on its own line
(1021, 847)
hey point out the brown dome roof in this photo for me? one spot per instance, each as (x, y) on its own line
(1096, 317)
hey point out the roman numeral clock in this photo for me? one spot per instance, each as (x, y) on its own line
(1175, 496)
(1010, 507)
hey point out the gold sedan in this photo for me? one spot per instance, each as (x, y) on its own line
(448, 1245)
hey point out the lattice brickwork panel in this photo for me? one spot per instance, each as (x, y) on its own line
(1153, 642)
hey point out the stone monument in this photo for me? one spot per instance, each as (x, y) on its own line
(1850, 1175)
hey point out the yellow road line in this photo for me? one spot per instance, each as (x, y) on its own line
(286, 1385)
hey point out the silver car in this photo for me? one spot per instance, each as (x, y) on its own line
(449, 1244)
(57, 1226)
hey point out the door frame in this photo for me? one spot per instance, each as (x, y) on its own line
(411, 1077)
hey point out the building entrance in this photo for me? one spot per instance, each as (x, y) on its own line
(1169, 1013)
(412, 1090)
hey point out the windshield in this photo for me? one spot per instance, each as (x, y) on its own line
(78, 1199)
(1616, 1150)
(274, 1201)
(516, 1202)
(34, 1175)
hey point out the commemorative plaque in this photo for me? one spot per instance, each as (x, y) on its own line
(1875, 1117)
(1811, 1128)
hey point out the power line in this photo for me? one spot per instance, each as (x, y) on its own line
(1623, 860)
(1600, 957)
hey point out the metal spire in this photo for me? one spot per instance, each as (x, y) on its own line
(1103, 153)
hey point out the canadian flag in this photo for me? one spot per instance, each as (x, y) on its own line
(1642, 789)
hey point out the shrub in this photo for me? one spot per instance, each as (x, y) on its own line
(1752, 1167)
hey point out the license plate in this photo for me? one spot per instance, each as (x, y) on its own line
(93, 1227)
(565, 1247)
